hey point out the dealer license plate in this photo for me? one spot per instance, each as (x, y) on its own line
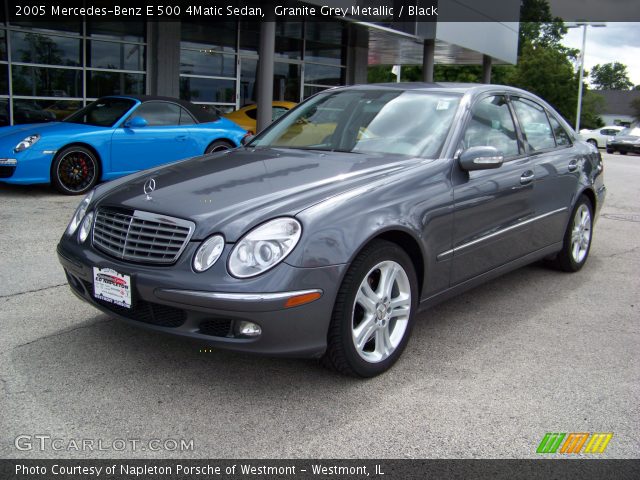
(112, 287)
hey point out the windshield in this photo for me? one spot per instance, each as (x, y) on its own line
(104, 112)
(367, 121)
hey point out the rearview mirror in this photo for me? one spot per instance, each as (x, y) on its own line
(480, 158)
(136, 122)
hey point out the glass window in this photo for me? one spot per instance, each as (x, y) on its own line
(312, 90)
(46, 82)
(115, 56)
(289, 39)
(562, 137)
(4, 112)
(252, 113)
(248, 73)
(325, 42)
(130, 30)
(45, 49)
(198, 35)
(3, 44)
(207, 89)
(58, 25)
(534, 124)
(207, 62)
(491, 125)
(31, 111)
(185, 117)
(158, 113)
(286, 82)
(323, 74)
(104, 112)
(367, 121)
(249, 37)
(4, 80)
(114, 83)
(277, 112)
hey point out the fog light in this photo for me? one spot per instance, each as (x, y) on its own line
(248, 329)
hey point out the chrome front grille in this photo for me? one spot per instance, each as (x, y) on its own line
(140, 236)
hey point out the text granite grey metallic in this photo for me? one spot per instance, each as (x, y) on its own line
(326, 233)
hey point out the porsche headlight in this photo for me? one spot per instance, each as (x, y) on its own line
(264, 247)
(79, 214)
(208, 253)
(26, 143)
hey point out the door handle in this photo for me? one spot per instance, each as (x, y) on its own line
(181, 138)
(573, 165)
(527, 177)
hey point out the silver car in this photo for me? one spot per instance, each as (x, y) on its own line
(326, 234)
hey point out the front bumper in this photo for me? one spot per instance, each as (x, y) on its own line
(208, 307)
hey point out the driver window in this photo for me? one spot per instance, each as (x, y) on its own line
(158, 113)
(491, 125)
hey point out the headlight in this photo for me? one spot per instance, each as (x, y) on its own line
(264, 247)
(85, 227)
(26, 143)
(208, 253)
(79, 214)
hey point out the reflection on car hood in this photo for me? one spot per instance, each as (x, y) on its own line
(232, 192)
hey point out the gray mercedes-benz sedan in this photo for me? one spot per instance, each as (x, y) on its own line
(325, 235)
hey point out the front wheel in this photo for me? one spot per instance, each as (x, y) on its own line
(577, 238)
(373, 313)
(610, 150)
(75, 170)
(593, 142)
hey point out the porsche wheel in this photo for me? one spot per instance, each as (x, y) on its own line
(75, 170)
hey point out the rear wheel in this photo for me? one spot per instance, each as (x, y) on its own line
(610, 150)
(218, 146)
(75, 170)
(373, 313)
(577, 238)
(593, 142)
(623, 152)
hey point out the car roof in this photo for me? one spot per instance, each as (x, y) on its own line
(453, 87)
(200, 114)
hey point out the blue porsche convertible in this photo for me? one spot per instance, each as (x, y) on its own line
(109, 138)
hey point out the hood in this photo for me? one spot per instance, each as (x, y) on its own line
(67, 128)
(234, 191)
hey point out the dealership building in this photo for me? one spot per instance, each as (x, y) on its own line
(50, 68)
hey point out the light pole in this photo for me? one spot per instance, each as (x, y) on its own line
(584, 26)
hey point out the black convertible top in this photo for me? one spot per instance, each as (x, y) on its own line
(200, 114)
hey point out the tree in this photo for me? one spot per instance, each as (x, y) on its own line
(611, 76)
(538, 26)
(592, 106)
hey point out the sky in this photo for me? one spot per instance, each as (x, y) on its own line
(616, 42)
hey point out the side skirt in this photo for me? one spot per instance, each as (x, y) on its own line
(491, 274)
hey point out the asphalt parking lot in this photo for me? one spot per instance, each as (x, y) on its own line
(485, 375)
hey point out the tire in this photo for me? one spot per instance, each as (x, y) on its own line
(218, 146)
(609, 150)
(593, 142)
(623, 152)
(75, 170)
(384, 330)
(577, 238)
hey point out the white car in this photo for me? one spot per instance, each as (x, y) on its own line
(600, 136)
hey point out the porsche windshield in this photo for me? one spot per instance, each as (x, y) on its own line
(410, 123)
(104, 112)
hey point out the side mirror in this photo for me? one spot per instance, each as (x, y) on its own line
(136, 122)
(480, 158)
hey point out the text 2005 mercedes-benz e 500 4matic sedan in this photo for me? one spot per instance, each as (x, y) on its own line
(324, 235)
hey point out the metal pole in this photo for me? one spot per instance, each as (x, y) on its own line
(584, 43)
(486, 69)
(266, 50)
